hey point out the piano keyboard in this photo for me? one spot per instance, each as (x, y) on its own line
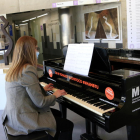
(97, 107)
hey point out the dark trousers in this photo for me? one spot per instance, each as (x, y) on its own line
(64, 127)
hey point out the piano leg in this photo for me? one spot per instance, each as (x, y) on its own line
(88, 126)
(94, 132)
(63, 110)
(133, 132)
(88, 135)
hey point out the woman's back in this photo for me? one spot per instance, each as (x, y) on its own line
(28, 106)
(25, 109)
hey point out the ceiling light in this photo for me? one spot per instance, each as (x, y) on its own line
(25, 20)
(16, 25)
(64, 7)
(23, 24)
(33, 18)
(42, 15)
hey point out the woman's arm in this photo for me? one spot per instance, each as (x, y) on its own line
(30, 81)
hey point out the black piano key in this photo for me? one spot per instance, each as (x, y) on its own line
(80, 97)
(74, 93)
(93, 96)
(89, 101)
(89, 93)
(96, 98)
(86, 99)
(58, 86)
(83, 96)
(93, 101)
(98, 104)
(105, 107)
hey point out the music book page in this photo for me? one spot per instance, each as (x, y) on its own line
(78, 58)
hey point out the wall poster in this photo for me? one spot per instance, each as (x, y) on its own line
(133, 24)
(103, 24)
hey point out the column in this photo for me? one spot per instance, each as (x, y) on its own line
(65, 27)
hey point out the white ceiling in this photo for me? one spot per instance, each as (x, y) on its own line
(18, 17)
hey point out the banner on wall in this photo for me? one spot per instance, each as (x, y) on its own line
(41, 27)
(81, 2)
(133, 22)
(10, 30)
(104, 1)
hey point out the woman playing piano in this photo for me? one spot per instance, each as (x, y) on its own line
(28, 107)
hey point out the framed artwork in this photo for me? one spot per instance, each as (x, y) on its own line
(103, 24)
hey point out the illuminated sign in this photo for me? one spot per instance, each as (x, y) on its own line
(77, 80)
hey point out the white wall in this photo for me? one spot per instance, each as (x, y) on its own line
(15, 6)
(2, 92)
(52, 22)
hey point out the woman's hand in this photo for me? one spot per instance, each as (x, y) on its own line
(59, 93)
(48, 87)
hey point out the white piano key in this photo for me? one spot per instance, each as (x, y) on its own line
(86, 105)
(82, 103)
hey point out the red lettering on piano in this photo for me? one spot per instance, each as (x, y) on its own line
(70, 77)
(90, 84)
(77, 80)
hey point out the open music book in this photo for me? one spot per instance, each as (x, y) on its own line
(78, 58)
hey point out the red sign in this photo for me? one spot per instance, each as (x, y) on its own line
(109, 93)
(50, 73)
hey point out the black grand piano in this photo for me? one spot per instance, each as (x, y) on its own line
(109, 99)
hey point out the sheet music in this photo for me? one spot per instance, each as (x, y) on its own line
(78, 58)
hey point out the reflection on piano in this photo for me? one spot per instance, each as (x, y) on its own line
(109, 99)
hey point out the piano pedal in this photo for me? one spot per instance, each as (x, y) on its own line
(89, 137)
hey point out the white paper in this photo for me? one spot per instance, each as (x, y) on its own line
(78, 58)
(133, 24)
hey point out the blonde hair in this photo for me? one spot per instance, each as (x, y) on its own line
(24, 54)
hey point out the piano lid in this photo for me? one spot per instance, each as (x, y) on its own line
(125, 73)
(100, 61)
(101, 64)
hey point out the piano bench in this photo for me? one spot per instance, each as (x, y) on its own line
(37, 135)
